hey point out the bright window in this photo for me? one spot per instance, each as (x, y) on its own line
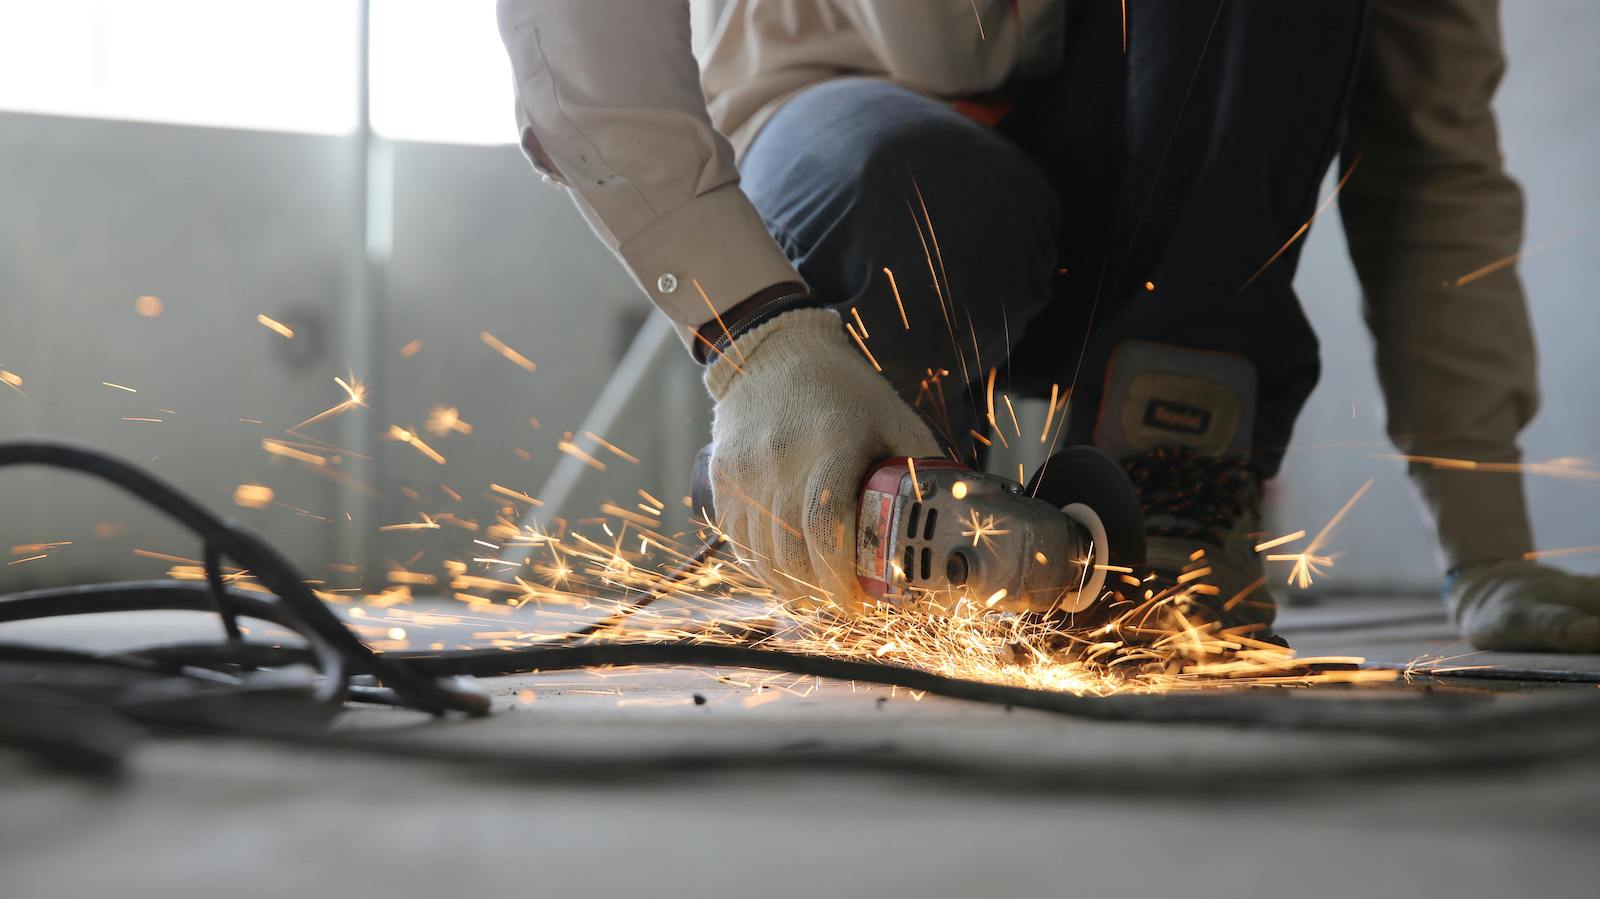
(440, 72)
(285, 65)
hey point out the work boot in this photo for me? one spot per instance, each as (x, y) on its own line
(1180, 421)
(1202, 521)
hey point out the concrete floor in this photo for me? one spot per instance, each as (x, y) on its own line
(1119, 809)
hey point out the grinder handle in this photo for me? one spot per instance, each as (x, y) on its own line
(700, 496)
(704, 504)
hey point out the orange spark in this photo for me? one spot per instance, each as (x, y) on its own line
(401, 576)
(860, 325)
(1012, 411)
(718, 317)
(515, 494)
(426, 524)
(165, 557)
(1279, 541)
(621, 454)
(1306, 565)
(445, 420)
(279, 448)
(994, 426)
(1310, 563)
(1574, 469)
(1337, 516)
(273, 324)
(23, 548)
(500, 347)
(862, 344)
(1050, 413)
(981, 529)
(252, 496)
(355, 398)
(1558, 553)
(1505, 261)
(898, 305)
(572, 449)
(404, 436)
(1300, 232)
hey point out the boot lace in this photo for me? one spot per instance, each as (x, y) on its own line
(1188, 495)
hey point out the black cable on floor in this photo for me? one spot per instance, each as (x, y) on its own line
(1230, 709)
(224, 538)
(1441, 716)
(203, 683)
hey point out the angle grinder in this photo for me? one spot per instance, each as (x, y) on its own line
(927, 527)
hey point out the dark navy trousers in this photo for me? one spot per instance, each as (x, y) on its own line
(1129, 195)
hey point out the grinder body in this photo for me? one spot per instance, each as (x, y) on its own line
(935, 529)
(934, 526)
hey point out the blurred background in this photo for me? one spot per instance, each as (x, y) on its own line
(186, 181)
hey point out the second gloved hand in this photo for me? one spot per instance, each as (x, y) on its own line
(800, 417)
(1522, 606)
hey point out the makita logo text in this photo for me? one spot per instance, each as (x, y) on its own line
(1179, 417)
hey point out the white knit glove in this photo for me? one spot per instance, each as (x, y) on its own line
(800, 417)
(1526, 607)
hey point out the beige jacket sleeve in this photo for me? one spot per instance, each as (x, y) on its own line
(1434, 223)
(610, 105)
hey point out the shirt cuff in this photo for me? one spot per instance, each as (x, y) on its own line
(705, 258)
(1482, 516)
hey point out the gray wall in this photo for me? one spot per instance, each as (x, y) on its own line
(481, 245)
(223, 225)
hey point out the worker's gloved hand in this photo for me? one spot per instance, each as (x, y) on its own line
(800, 417)
(1524, 606)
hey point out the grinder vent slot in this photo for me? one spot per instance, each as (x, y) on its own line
(933, 520)
(910, 563)
(927, 562)
(911, 523)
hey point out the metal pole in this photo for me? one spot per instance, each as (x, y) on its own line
(359, 312)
